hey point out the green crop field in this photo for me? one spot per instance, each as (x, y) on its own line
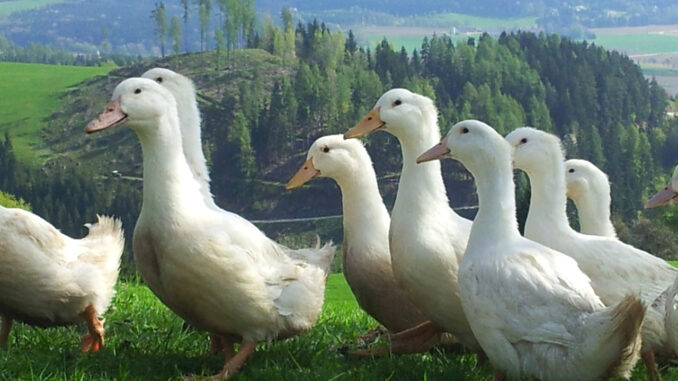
(29, 94)
(638, 43)
(144, 340)
(8, 7)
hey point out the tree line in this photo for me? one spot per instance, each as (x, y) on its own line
(262, 106)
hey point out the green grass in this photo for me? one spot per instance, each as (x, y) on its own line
(409, 41)
(144, 340)
(30, 93)
(9, 7)
(482, 23)
(640, 43)
(659, 71)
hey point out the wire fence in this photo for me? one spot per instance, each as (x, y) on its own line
(336, 216)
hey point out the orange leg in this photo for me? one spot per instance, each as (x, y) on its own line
(94, 340)
(4, 331)
(234, 364)
(413, 340)
(223, 343)
(651, 365)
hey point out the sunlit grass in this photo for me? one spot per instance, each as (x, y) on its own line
(146, 341)
(30, 93)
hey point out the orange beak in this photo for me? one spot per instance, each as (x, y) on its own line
(366, 125)
(303, 175)
(435, 152)
(662, 197)
(111, 116)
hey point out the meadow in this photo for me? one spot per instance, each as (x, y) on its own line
(30, 93)
(144, 340)
(8, 7)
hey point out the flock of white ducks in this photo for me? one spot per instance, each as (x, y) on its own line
(555, 304)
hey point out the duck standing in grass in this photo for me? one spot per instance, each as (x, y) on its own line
(589, 188)
(426, 237)
(532, 309)
(49, 279)
(615, 268)
(366, 259)
(211, 267)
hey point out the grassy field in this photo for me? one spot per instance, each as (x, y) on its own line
(146, 341)
(30, 93)
(8, 7)
(410, 31)
(642, 43)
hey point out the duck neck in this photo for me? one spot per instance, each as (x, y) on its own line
(168, 182)
(421, 188)
(189, 118)
(365, 216)
(548, 203)
(496, 217)
(594, 216)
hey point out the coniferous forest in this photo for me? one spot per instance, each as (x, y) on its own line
(263, 105)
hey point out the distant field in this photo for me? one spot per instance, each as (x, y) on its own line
(410, 31)
(639, 43)
(30, 93)
(653, 47)
(8, 7)
(409, 37)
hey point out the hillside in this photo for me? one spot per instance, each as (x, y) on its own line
(261, 111)
(30, 93)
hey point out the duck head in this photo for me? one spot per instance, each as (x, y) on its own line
(331, 156)
(137, 102)
(472, 143)
(667, 195)
(583, 177)
(399, 112)
(535, 150)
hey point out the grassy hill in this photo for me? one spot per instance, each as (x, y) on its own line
(30, 93)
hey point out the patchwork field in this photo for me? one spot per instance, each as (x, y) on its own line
(30, 93)
(653, 47)
(146, 341)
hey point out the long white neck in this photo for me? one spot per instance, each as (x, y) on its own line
(594, 215)
(189, 120)
(547, 216)
(365, 216)
(169, 185)
(496, 217)
(421, 189)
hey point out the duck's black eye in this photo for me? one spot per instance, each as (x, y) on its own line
(159, 79)
(137, 91)
(464, 130)
(571, 170)
(326, 149)
(523, 140)
(397, 102)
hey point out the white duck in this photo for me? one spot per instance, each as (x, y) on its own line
(615, 268)
(49, 279)
(589, 188)
(183, 91)
(211, 267)
(532, 309)
(427, 238)
(367, 259)
(667, 195)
